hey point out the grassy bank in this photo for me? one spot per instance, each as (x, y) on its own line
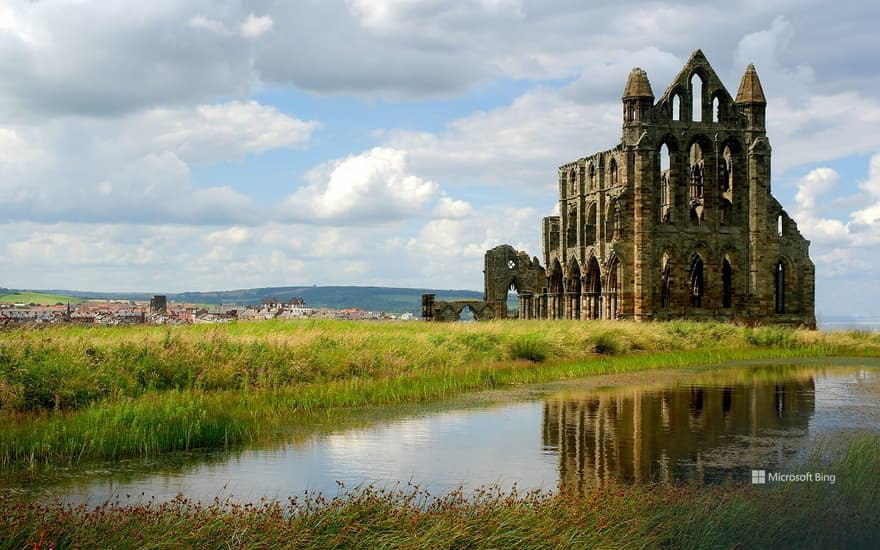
(796, 515)
(73, 393)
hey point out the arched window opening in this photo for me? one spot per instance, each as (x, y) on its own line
(573, 296)
(592, 177)
(696, 169)
(594, 289)
(555, 297)
(571, 226)
(726, 285)
(665, 185)
(665, 286)
(612, 169)
(696, 281)
(590, 227)
(716, 109)
(612, 289)
(697, 165)
(779, 225)
(572, 183)
(516, 301)
(725, 172)
(676, 107)
(630, 111)
(696, 98)
(780, 287)
(467, 314)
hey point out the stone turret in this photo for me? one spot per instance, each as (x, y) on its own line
(750, 99)
(638, 99)
(638, 85)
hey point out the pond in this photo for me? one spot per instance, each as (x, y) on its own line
(706, 425)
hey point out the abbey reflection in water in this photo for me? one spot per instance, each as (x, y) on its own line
(690, 433)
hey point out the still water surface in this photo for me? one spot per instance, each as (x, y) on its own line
(696, 426)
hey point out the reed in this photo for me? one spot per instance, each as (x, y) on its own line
(819, 515)
(74, 393)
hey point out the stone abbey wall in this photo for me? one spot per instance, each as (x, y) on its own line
(675, 221)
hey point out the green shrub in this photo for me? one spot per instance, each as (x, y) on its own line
(606, 343)
(529, 348)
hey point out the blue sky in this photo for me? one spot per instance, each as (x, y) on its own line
(206, 145)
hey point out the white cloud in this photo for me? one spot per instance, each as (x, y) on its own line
(872, 184)
(817, 182)
(870, 215)
(448, 207)
(255, 26)
(518, 145)
(137, 168)
(374, 186)
(463, 242)
(223, 131)
(200, 22)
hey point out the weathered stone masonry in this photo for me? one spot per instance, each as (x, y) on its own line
(675, 221)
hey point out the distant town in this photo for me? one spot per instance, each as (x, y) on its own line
(159, 311)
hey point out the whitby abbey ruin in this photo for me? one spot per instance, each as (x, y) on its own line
(676, 221)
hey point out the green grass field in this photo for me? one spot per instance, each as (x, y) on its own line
(37, 298)
(70, 393)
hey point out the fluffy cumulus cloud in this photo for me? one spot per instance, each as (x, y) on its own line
(374, 186)
(518, 145)
(137, 168)
(817, 182)
(845, 247)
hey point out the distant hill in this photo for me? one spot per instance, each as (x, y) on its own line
(370, 298)
(40, 298)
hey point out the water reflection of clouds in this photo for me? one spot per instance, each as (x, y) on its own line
(443, 451)
(712, 424)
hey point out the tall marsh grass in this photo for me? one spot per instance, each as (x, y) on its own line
(811, 515)
(71, 393)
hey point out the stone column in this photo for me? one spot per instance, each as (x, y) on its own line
(646, 178)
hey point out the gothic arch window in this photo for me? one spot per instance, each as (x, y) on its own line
(592, 173)
(666, 188)
(779, 226)
(572, 182)
(725, 171)
(590, 226)
(612, 286)
(573, 305)
(726, 284)
(696, 97)
(556, 290)
(716, 109)
(676, 107)
(696, 281)
(779, 279)
(594, 288)
(571, 225)
(697, 167)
